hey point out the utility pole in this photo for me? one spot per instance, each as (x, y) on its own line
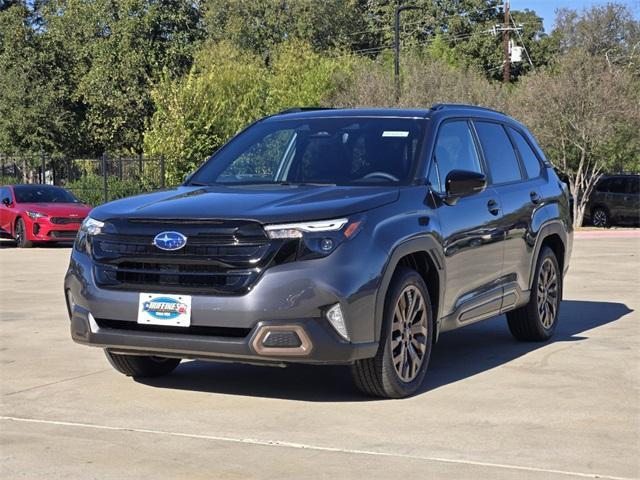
(396, 50)
(506, 73)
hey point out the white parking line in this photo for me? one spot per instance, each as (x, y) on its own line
(278, 443)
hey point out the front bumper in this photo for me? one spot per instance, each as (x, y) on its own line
(327, 348)
(293, 295)
(43, 230)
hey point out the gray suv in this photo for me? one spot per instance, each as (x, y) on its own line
(615, 200)
(352, 237)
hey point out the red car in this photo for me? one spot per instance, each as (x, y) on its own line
(40, 213)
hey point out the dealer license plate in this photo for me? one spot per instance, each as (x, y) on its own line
(164, 309)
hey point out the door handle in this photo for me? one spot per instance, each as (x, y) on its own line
(493, 207)
(535, 198)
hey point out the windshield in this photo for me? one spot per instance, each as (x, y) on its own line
(43, 194)
(337, 151)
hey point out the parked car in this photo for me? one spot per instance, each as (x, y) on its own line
(350, 237)
(615, 200)
(40, 213)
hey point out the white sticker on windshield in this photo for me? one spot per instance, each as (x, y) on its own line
(395, 133)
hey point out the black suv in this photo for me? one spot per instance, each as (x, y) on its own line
(330, 237)
(615, 200)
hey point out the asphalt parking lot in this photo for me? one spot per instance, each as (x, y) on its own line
(491, 408)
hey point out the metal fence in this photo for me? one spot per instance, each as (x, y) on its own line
(92, 180)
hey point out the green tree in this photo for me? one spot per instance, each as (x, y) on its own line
(602, 29)
(425, 81)
(228, 88)
(581, 110)
(260, 25)
(35, 108)
(117, 51)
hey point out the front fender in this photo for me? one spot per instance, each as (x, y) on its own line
(427, 244)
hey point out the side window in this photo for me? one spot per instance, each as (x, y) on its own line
(454, 150)
(498, 151)
(634, 185)
(603, 185)
(617, 185)
(528, 156)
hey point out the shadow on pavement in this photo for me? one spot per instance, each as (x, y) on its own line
(457, 355)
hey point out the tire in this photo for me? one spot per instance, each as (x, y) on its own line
(600, 217)
(538, 319)
(21, 235)
(379, 376)
(141, 366)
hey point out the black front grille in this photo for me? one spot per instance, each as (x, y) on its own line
(191, 330)
(63, 234)
(221, 257)
(65, 220)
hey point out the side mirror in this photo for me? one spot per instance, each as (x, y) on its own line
(6, 201)
(462, 183)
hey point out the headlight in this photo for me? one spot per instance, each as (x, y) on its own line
(318, 238)
(296, 230)
(91, 226)
(35, 215)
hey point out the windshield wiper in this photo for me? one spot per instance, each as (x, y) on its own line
(198, 184)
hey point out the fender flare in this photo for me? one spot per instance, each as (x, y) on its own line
(423, 244)
(550, 227)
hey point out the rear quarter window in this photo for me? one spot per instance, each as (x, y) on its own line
(527, 155)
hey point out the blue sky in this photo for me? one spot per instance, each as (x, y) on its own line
(546, 8)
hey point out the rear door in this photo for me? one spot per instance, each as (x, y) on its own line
(633, 199)
(616, 202)
(519, 196)
(472, 238)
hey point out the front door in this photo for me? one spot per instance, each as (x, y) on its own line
(472, 237)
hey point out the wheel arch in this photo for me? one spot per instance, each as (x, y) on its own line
(14, 224)
(554, 236)
(423, 255)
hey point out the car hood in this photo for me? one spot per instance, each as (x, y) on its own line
(265, 204)
(57, 209)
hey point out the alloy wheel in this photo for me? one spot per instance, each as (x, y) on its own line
(600, 218)
(409, 333)
(547, 293)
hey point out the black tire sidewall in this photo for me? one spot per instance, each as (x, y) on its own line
(403, 277)
(22, 242)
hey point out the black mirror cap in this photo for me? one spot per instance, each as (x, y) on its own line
(6, 201)
(462, 183)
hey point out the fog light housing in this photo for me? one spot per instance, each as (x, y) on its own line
(336, 319)
(283, 339)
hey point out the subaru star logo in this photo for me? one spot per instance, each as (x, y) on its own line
(170, 240)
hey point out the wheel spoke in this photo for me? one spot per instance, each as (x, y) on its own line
(418, 346)
(398, 359)
(409, 333)
(398, 319)
(419, 329)
(411, 297)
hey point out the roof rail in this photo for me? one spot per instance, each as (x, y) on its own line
(440, 106)
(303, 109)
